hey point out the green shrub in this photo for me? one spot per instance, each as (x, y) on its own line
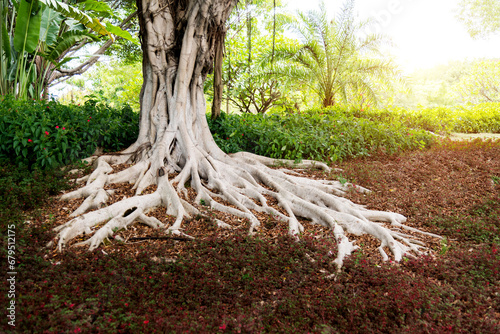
(323, 134)
(48, 134)
(484, 117)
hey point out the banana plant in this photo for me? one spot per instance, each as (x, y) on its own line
(36, 37)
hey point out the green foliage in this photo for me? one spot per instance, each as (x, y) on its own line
(323, 134)
(332, 60)
(36, 36)
(249, 81)
(480, 17)
(252, 87)
(480, 82)
(46, 134)
(117, 84)
(452, 84)
(484, 117)
(27, 28)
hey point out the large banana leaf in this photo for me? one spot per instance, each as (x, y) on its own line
(4, 36)
(51, 23)
(78, 15)
(117, 31)
(96, 6)
(27, 26)
(5, 40)
(64, 42)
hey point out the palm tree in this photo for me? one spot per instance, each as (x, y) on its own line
(332, 60)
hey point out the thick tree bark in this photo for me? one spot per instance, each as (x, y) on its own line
(179, 39)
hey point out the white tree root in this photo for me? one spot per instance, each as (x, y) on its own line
(174, 137)
(237, 185)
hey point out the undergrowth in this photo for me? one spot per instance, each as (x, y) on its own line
(328, 135)
(41, 134)
(483, 117)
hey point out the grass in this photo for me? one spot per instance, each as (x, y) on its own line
(239, 284)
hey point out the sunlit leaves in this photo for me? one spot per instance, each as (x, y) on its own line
(331, 59)
(481, 17)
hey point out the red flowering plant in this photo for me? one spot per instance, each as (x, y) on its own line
(47, 134)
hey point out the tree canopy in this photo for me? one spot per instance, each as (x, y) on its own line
(481, 17)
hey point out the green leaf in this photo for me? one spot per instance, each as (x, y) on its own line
(25, 152)
(96, 6)
(5, 39)
(76, 14)
(51, 23)
(67, 40)
(27, 26)
(64, 61)
(115, 30)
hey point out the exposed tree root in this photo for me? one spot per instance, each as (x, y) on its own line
(178, 40)
(237, 185)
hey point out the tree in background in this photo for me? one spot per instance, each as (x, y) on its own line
(176, 150)
(253, 87)
(452, 84)
(332, 61)
(249, 85)
(40, 38)
(116, 83)
(481, 17)
(480, 82)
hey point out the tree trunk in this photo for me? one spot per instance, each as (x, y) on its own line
(179, 40)
(249, 32)
(218, 85)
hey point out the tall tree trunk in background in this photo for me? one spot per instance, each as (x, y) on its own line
(218, 85)
(175, 148)
(249, 31)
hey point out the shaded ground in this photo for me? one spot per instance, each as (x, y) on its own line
(225, 282)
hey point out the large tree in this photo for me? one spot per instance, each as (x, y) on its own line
(175, 148)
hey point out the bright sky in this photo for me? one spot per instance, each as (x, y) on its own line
(425, 32)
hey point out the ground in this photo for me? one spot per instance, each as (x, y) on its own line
(417, 185)
(271, 285)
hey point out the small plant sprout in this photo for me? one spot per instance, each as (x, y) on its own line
(445, 247)
(342, 179)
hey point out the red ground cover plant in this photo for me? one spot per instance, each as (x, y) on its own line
(229, 283)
